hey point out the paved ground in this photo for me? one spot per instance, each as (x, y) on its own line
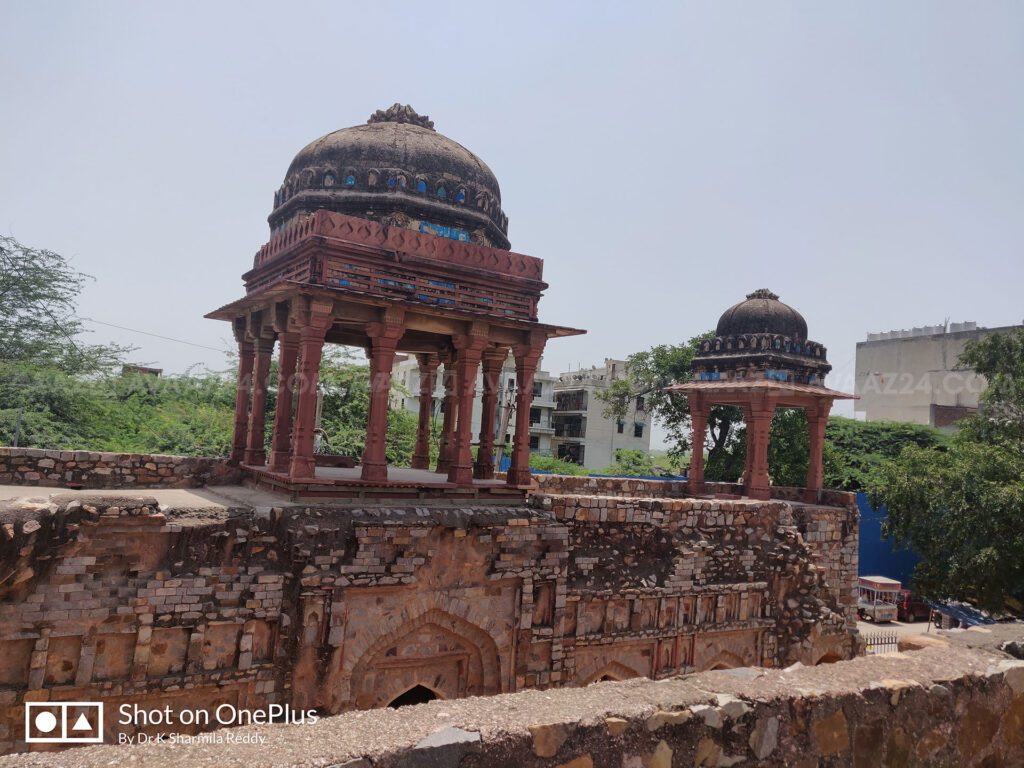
(403, 475)
(214, 497)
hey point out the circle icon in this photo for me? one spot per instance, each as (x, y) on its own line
(45, 722)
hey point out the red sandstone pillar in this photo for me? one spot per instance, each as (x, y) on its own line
(493, 360)
(748, 459)
(817, 421)
(428, 379)
(281, 441)
(242, 394)
(467, 361)
(383, 342)
(761, 412)
(255, 448)
(311, 348)
(698, 430)
(451, 409)
(527, 358)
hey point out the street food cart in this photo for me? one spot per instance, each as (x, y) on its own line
(878, 598)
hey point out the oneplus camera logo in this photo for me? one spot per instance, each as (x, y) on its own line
(64, 722)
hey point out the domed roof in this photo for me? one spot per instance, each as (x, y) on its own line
(399, 170)
(762, 312)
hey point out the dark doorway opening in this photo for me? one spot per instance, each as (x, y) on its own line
(418, 694)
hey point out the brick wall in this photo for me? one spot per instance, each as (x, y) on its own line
(340, 607)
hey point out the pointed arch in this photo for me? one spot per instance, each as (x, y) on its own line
(612, 670)
(376, 678)
(724, 660)
(416, 694)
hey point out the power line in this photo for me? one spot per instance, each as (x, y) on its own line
(157, 335)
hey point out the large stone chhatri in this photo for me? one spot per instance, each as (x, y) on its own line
(390, 237)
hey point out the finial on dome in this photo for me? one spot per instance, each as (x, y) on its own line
(763, 293)
(398, 113)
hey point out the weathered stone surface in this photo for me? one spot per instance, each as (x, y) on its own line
(616, 725)
(442, 749)
(712, 716)
(765, 737)
(931, 742)
(732, 707)
(868, 745)
(30, 466)
(707, 753)
(899, 749)
(583, 761)
(283, 603)
(661, 757)
(549, 738)
(909, 733)
(661, 718)
(831, 733)
(980, 724)
(1013, 722)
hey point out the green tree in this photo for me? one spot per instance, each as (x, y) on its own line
(631, 463)
(39, 325)
(647, 375)
(962, 507)
(541, 463)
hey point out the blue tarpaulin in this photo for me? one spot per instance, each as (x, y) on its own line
(965, 614)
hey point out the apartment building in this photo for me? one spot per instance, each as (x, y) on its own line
(583, 434)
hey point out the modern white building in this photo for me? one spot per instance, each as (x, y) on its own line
(913, 375)
(583, 434)
(406, 375)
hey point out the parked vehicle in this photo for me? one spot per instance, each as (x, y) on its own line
(911, 608)
(878, 598)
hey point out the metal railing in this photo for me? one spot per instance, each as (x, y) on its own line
(880, 642)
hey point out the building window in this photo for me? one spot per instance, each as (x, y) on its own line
(639, 402)
(638, 430)
(538, 389)
(535, 415)
(534, 442)
(421, 186)
(620, 426)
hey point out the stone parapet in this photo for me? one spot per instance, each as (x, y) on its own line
(89, 469)
(960, 702)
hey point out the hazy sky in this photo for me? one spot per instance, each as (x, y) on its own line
(863, 160)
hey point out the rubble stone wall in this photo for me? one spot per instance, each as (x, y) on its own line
(334, 608)
(958, 703)
(88, 469)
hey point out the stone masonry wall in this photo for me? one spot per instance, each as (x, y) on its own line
(957, 703)
(334, 608)
(88, 469)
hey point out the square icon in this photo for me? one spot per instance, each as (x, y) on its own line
(64, 722)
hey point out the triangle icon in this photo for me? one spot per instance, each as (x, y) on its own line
(81, 724)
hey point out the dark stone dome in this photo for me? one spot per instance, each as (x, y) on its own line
(762, 312)
(398, 170)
